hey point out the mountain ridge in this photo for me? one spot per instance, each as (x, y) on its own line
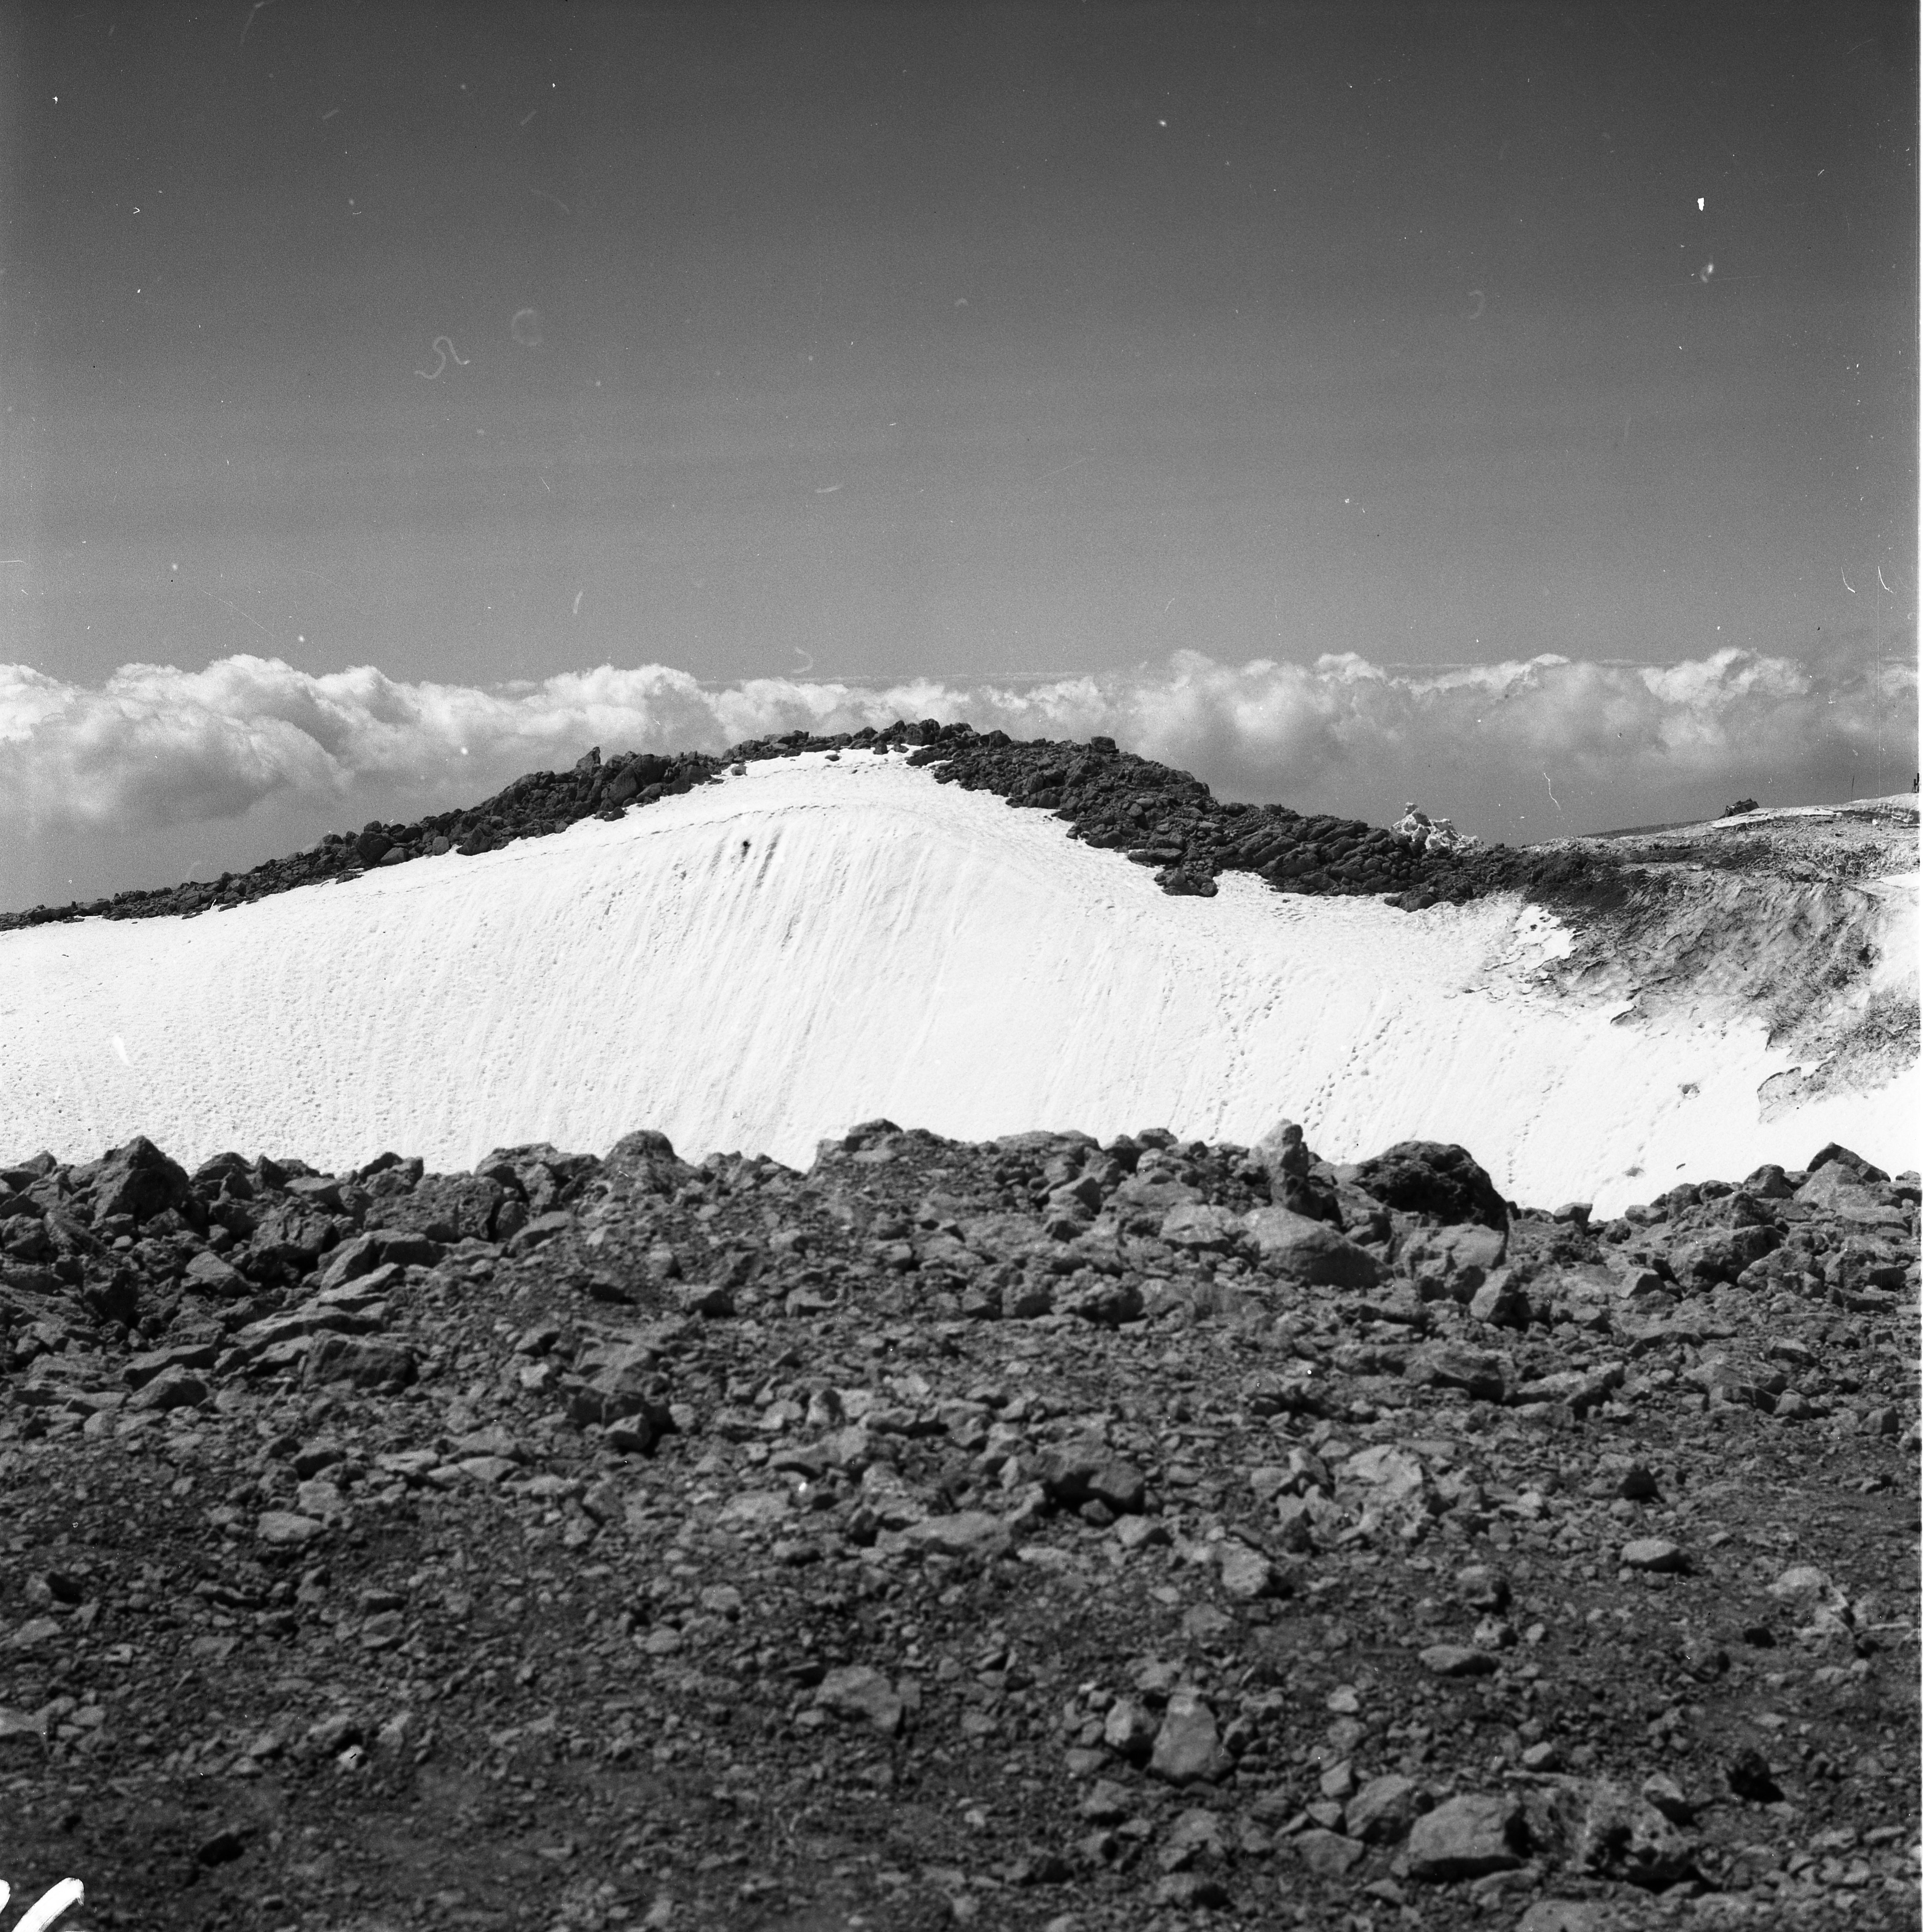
(1165, 817)
(753, 963)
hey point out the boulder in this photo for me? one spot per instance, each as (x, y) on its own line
(1501, 1302)
(24, 1237)
(1810, 1596)
(286, 1528)
(861, 1695)
(1129, 1729)
(173, 1387)
(1568, 1915)
(1395, 1473)
(358, 1298)
(1107, 1802)
(1844, 1188)
(1459, 1258)
(1245, 1573)
(1196, 1226)
(441, 1207)
(1282, 1149)
(1151, 1195)
(210, 1275)
(1107, 1303)
(1188, 1749)
(540, 1171)
(755, 1509)
(972, 1534)
(1075, 1473)
(1328, 1854)
(400, 1247)
(646, 768)
(1311, 1251)
(620, 1383)
(1722, 1254)
(29, 1280)
(1750, 1778)
(142, 1369)
(1000, 1237)
(18, 1727)
(1196, 1836)
(291, 1238)
(1385, 1809)
(1361, 1216)
(1832, 1155)
(1479, 1373)
(648, 1160)
(1438, 1180)
(1624, 1836)
(352, 1259)
(1295, 1522)
(137, 1179)
(1655, 1554)
(116, 1299)
(362, 1364)
(1456, 1659)
(1581, 1389)
(532, 1234)
(1466, 1837)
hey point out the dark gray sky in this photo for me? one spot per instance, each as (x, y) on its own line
(966, 338)
(370, 374)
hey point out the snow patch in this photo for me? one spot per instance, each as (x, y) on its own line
(763, 962)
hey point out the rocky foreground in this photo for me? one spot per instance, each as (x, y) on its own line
(1025, 1533)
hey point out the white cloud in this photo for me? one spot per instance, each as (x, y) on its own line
(155, 746)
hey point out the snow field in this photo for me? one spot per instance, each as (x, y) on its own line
(758, 964)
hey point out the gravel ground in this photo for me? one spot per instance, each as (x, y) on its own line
(1024, 1534)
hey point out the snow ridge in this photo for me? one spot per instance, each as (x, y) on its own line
(757, 964)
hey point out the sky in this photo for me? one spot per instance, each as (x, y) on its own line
(1514, 408)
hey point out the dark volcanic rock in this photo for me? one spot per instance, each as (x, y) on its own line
(1439, 1182)
(448, 1207)
(1157, 817)
(759, 1546)
(1311, 1251)
(139, 1180)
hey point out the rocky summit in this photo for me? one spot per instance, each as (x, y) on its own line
(1164, 819)
(1025, 1532)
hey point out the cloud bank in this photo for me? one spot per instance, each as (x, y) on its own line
(1586, 744)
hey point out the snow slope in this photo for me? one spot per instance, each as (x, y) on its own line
(762, 962)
